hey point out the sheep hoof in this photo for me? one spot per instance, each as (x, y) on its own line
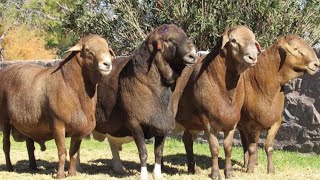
(157, 176)
(271, 171)
(144, 173)
(33, 167)
(119, 170)
(215, 175)
(60, 176)
(228, 175)
(72, 173)
(9, 168)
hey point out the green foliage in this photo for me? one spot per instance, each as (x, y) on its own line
(125, 23)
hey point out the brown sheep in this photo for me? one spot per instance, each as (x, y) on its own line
(289, 58)
(214, 94)
(135, 100)
(51, 103)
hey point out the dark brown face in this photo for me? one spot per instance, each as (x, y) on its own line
(175, 46)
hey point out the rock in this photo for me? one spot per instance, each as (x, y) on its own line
(289, 132)
(292, 147)
(316, 147)
(307, 147)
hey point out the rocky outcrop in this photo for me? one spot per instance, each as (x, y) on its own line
(46, 63)
(300, 130)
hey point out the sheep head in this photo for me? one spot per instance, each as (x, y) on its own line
(240, 43)
(174, 44)
(174, 50)
(297, 55)
(95, 52)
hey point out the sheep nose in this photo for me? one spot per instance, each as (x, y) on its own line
(193, 56)
(253, 58)
(107, 65)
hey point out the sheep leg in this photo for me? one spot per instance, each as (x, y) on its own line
(158, 153)
(214, 149)
(257, 153)
(227, 145)
(269, 145)
(138, 137)
(117, 164)
(74, 148)
(32, 159)
(253, 139)
(244, 142)
(6, 146)
(78, 166)
(60, 140)
(188, 145)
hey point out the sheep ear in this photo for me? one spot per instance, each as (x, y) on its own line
(258, 46)
(76, 47)
(112, 53)
(225, 40)
(287, 48)
(158, 45)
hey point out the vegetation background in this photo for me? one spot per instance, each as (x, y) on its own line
(53, 26)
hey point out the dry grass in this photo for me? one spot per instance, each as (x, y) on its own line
(26, 43)
(96, 163)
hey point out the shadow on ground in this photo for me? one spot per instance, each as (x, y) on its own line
(104, 166)
(202, 161)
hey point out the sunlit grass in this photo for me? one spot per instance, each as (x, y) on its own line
(96, 162)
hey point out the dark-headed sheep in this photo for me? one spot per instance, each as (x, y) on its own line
(289, 58)
(136, 98)
(214, 94)
(51, 103)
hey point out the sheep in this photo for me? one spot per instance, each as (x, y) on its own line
(214, 94)
(289, 58)
(46, 103)
(135, 100)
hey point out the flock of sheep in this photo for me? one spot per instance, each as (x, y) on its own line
(163, 85)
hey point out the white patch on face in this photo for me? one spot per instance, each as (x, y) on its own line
(157, 171)
(105, 66)
(251, 55)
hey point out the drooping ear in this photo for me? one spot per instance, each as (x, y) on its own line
(76, 47)
(258, 46)
(158, 44)
(286, 47)
(112, 53)
(225, 39)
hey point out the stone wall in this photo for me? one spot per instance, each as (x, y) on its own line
(300, 129)
(46, 63)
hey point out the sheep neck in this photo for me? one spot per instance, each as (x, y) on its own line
(223, 72)
(269, 75)
(78, 77)
(149, 66)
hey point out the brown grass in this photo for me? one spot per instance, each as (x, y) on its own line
(96, 163)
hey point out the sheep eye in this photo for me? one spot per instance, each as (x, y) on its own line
(233, 40)
(173, 41)
(88, 52)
